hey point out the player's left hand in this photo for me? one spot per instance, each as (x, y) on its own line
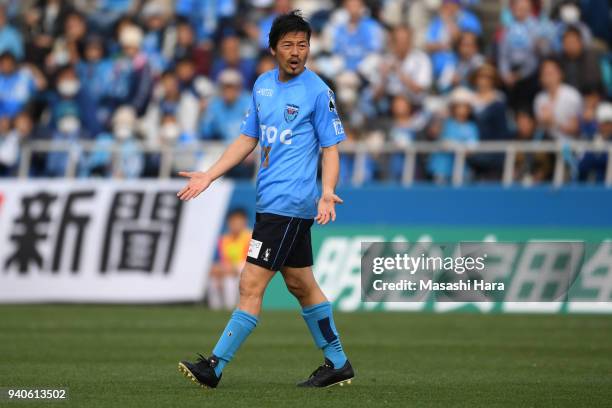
(327, 208)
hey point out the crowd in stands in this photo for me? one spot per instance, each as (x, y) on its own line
(140, 74)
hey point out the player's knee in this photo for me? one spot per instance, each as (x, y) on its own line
(297, 287)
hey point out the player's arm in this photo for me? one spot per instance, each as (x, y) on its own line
(200, 180)
(330, 169)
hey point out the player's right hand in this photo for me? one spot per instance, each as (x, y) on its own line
(198, 182)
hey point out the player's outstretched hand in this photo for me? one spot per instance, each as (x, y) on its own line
(327, 208)
(198, 182)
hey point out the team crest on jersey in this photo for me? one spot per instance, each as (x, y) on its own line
(332, 100)
(291, 112)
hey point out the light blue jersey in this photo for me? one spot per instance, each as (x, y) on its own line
(292, 120)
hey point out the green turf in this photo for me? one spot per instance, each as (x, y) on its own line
(115, 356)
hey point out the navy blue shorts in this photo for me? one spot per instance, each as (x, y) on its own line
(279, 241)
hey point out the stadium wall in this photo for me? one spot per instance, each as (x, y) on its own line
(130, 242)
(447, 214)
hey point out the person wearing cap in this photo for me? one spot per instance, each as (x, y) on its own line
(123, 135)
(131, 81)
(226, 111)
(593, 165)
(458, 128)
(156, 43)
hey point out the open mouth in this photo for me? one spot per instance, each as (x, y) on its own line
(294, 64)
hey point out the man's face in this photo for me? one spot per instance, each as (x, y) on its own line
(401, 41)
(354, 8)
(521, 9)
(291, 52)
(572, 45)
(230, 50)
(230, 92)
(550, 75)
(467, 45)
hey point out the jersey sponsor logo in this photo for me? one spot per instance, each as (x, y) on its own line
(270, 133)
(338, 127)
(332, 101)
(254, 248)
(264, 91)
(291, 112)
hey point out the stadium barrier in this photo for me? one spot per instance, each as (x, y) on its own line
(205, 153)
(106, 241)
(134, 242)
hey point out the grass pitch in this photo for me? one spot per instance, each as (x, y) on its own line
(126, 356)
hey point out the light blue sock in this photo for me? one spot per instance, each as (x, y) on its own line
(240, 325)
(320, 321)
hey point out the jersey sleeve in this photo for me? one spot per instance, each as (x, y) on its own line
(250, 123)
(327, 124)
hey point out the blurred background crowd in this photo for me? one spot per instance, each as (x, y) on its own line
(143, 74)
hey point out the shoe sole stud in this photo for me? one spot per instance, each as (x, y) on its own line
(342, 383)
(185, 371)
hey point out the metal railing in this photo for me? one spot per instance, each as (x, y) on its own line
(360, 150)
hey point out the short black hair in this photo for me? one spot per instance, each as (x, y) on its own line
(238, 211)
(551, 59)
(288, 23)
(572, 29)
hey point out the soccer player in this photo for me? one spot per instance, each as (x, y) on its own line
(292, 115)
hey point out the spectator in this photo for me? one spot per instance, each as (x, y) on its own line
(351, 164)
(128, 162)
(225, 112)
(94, 74)
(10, 39)
(588, 119)
(187, 48)
(567, 15)
(490, 113)
(519, 55)
(465, 62)
(530, 168)
(592, 165)
(231, 254)
(260, 30)
(65, 137)
(172, 136)
(558, 106)
(359, 36)
(69, 95)
(131, 81)
(158, 38)
(408, 124)
(205, 16)
(444, 31)
(581, 68)
(231, 58)
(406, 70)
(459, 128)
(68, 48)
(18, 85)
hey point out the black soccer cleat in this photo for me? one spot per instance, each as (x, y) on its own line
(327, 376)
(202, 372)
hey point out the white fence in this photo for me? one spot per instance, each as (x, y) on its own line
(212, 150)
